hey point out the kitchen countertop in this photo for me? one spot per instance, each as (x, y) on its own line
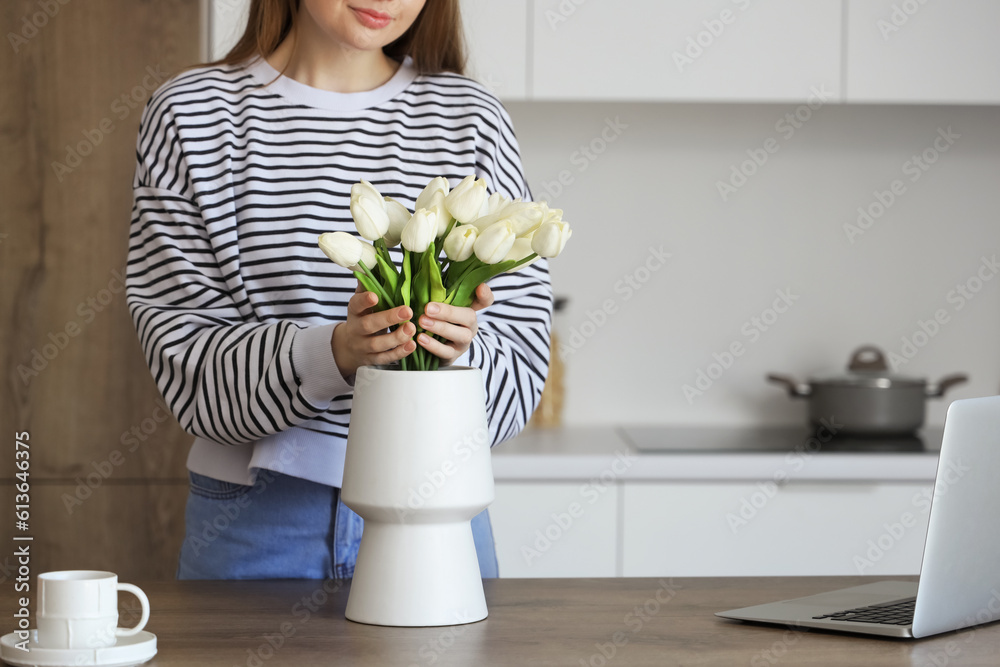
(581, 453)
(532, 622)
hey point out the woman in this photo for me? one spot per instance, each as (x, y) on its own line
(252, 335)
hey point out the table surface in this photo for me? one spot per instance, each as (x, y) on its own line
(628, 621)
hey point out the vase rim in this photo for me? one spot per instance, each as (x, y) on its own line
(388, 368)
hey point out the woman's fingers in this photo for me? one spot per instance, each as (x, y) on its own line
(457, 333)
(484, 297)
(446, 352)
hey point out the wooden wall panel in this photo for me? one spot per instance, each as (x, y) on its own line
(74, 376)
(75, 77)
(134, 529)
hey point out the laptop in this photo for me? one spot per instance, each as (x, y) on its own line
(959, 584)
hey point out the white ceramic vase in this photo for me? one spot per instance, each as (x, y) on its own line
(418, 470)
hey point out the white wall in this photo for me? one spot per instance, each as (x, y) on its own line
(656, 184)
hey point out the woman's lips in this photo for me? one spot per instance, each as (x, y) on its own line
(370, 18)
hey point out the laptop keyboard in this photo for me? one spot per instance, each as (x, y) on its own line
(899, 612)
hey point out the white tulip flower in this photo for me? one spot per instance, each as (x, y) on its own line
(527, 216)
(439, 184)
(493, 243)
(368, 255)
(550, 239)
(520, 250)
(342, 248)
(466, 201)
(399, 215)
(364, 189)
(420, 231)
(459, 243)
(437, 206)
(370, 216)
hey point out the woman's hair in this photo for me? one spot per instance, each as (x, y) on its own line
(434, 41)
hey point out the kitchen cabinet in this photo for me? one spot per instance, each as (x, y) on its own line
(698, 529)
(496, 38)
(765, 529)
(556, 529)
(722, 50)
(915, 51)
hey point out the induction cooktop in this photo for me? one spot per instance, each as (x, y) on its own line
(696, 439)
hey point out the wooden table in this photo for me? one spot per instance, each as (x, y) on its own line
(575, 622)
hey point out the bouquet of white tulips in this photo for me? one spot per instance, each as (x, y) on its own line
(456, 240)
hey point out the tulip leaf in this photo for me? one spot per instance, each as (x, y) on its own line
(436, 287)
(389, 275)
(463, 294)
(456, 270)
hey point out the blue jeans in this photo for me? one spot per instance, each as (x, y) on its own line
(282, 527)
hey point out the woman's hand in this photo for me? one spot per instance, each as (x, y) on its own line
(364, 339)
(457, 326)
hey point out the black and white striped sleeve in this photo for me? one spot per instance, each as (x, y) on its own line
(512, 345)
(226, 376)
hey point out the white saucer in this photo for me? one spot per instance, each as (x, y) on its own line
(129, 651)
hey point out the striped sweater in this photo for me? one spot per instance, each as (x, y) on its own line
(238, 171)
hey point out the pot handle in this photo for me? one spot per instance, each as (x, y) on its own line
(795, 389)
(946, 383)
(868, 358)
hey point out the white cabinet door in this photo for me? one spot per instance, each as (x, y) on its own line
(718, 50)
(799, 529)
(556, 529)
(915, 51)
(496, 35)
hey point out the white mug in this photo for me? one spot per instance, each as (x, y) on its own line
(79, 609)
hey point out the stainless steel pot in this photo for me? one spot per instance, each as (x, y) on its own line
(868, 400)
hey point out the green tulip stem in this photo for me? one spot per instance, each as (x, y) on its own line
(369, 282)
(447, 231)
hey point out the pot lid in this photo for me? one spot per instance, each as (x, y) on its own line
(868, 368)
